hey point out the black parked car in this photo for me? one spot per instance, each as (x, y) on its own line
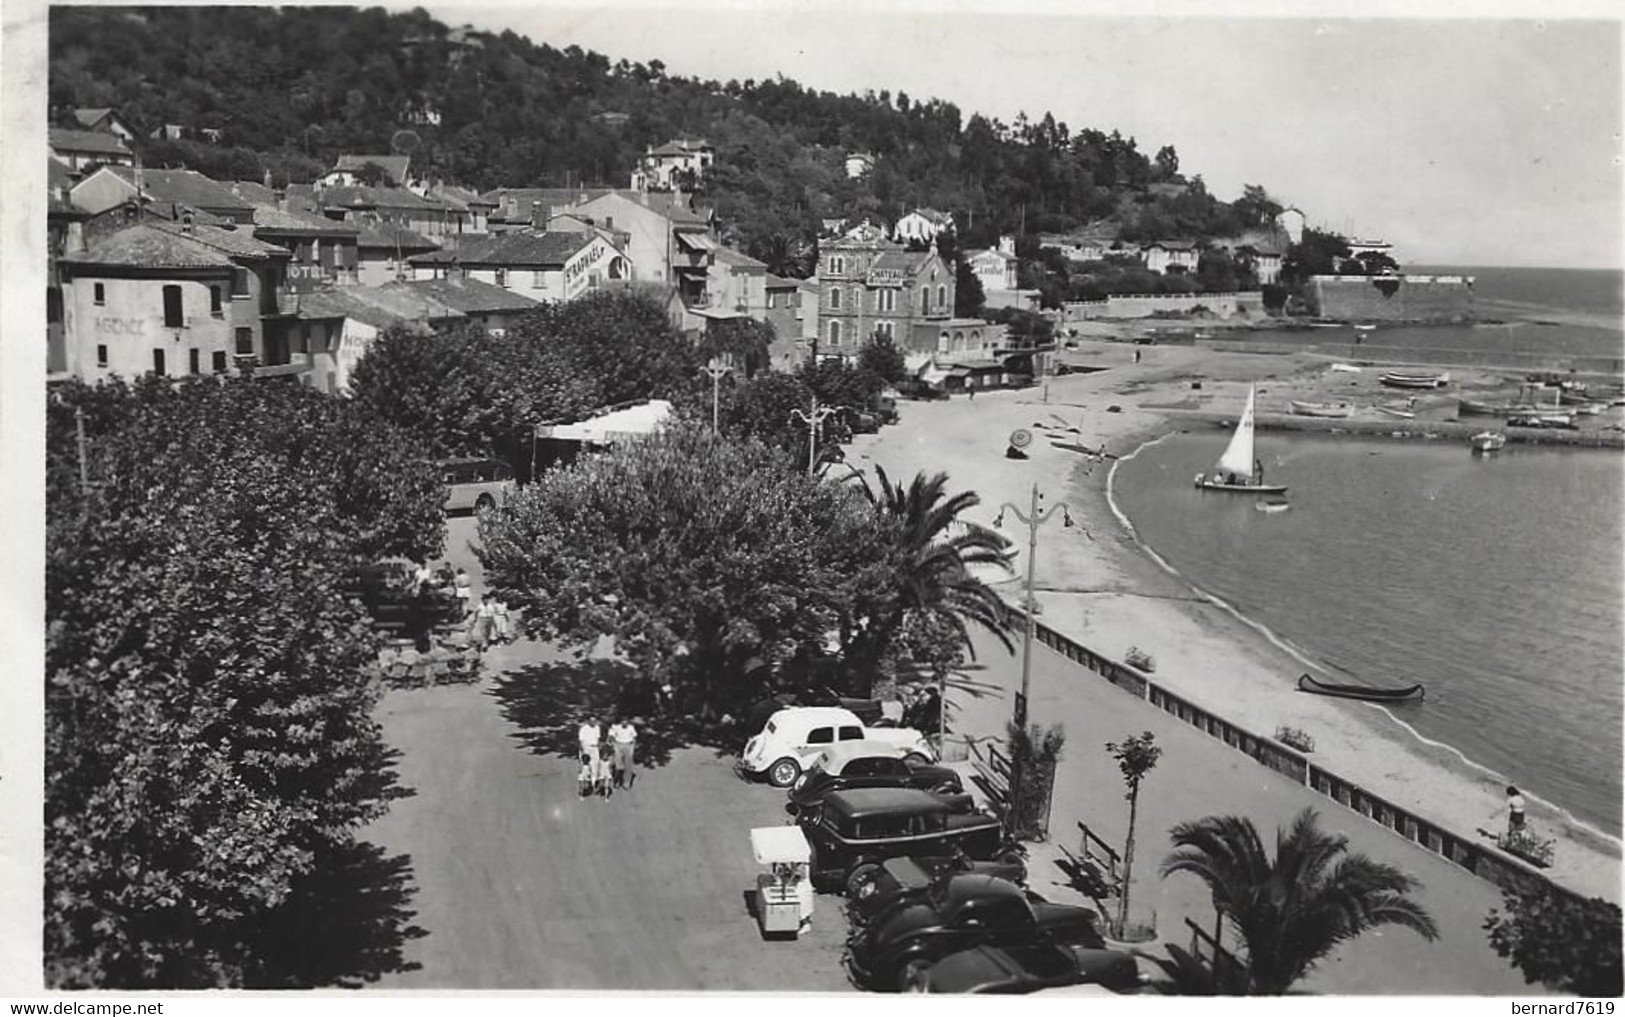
(964, 912)
(873, 890)
(851, 829)
(849, 765)
(1023, 969)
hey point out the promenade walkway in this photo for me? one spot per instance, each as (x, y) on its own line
(1199, 776)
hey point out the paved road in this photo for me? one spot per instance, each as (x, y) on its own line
(521, 885)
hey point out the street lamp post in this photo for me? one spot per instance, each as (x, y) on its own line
(813, 421)
(716, 370)
(1034, 519)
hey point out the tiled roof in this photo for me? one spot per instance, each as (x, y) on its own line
(524, 248)
(394, 165)
(181, 186)
(148, 246)
(518, 202)
(995, 252)
(932, 215)
(470, 295)
(375, 197)
(276, 220)
(89, 116)
(1172, 245)
(391, 235)
(236, 243)
(63, 139)
(738, 259)
(379, 306)
(779, 282)
(253, 192)
(908, 261)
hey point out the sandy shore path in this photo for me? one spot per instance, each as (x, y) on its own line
(1107, 594)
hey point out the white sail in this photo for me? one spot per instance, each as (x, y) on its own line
(1238, 455)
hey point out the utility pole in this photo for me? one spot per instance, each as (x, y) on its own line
(715, 370)
(84, 464)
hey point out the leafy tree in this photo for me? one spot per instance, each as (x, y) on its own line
(1167, 162)
(745, 341)
(1136, 756)
(837, 383)
(696, 555)
(372, 175)
(1316, 253)
(760, 408)
(209, 741)
(969, 297)
(880, 357)
(1370, 263)
(1565, 944)
(1255, 207)
(1293, 909)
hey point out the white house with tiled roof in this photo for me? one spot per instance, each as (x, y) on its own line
(542, 266)
(664, 168)
(105, 120)
(172, 299)
(1162, 255)
(79, 149)
(347, 172)
(922, 226)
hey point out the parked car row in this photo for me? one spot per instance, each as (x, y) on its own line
(936, 895)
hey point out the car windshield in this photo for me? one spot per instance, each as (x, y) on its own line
(770, 728)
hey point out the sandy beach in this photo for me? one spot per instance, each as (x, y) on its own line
(1108, 594)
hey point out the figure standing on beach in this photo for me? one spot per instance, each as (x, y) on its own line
(1515, 808)
(623, 739)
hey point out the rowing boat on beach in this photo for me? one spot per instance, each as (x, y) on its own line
(1338, 410)
(1409, 693)
(1396, 411)
(1488, 441)
(1410, 379)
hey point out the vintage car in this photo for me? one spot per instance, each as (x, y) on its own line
(476, 485)
(852, 829)
(1024, 969)
(872, 890)
(962, 913)
(849, 765)
(793, 737)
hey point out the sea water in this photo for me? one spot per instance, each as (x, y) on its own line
(1494, 580)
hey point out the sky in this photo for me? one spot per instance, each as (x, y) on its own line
(1467, 141)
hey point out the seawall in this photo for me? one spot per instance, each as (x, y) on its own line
(1393, 297)
(1397, 427)
(1145, 305)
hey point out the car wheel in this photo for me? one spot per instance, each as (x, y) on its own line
(861, 882)
(485, 504)
(783, 772)
(912, 976)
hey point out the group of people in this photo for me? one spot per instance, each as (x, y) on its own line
(486, 618)
(607, 757)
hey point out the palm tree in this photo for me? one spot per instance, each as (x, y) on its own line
(935, 552)
(1292, 910)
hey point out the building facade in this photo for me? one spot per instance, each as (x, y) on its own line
(923, 226)
(674, 165)
(548, 266)
(80, 149)
(871, 286)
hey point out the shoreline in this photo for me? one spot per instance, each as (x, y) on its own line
(1109, 593)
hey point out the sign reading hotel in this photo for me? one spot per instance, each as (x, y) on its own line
(307, 277)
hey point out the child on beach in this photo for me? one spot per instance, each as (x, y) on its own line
(603, 782)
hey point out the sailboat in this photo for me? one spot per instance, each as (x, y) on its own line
(1237, 469)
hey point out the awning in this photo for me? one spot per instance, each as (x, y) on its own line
(782, 844)
(632, 422)
(715, 313)
(695, 241)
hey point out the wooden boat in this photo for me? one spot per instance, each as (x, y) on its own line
(1321, 409)
(1479, 408)
(1272, 505)
(1488, 441)
(1409, 693)
(1543, 420)
(1409, 379)
(1396, 411)
(1238, 470)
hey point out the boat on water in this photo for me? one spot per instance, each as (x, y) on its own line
(1238, 470)
(1408, 693)
(1271, 505)
(1303, 409)
(1563, 421)
(1415, 379)
(1488, 441)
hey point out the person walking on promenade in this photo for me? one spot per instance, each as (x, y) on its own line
(465, 590)
(623, 738)
(484, 624)
(587, 737)
(1515, 809)
(603, 767)
(504, 624)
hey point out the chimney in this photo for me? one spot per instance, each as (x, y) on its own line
(186, 222)
(281, 198)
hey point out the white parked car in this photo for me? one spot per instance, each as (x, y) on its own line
(794, 736)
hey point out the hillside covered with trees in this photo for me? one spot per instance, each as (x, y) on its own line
(291, 88)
